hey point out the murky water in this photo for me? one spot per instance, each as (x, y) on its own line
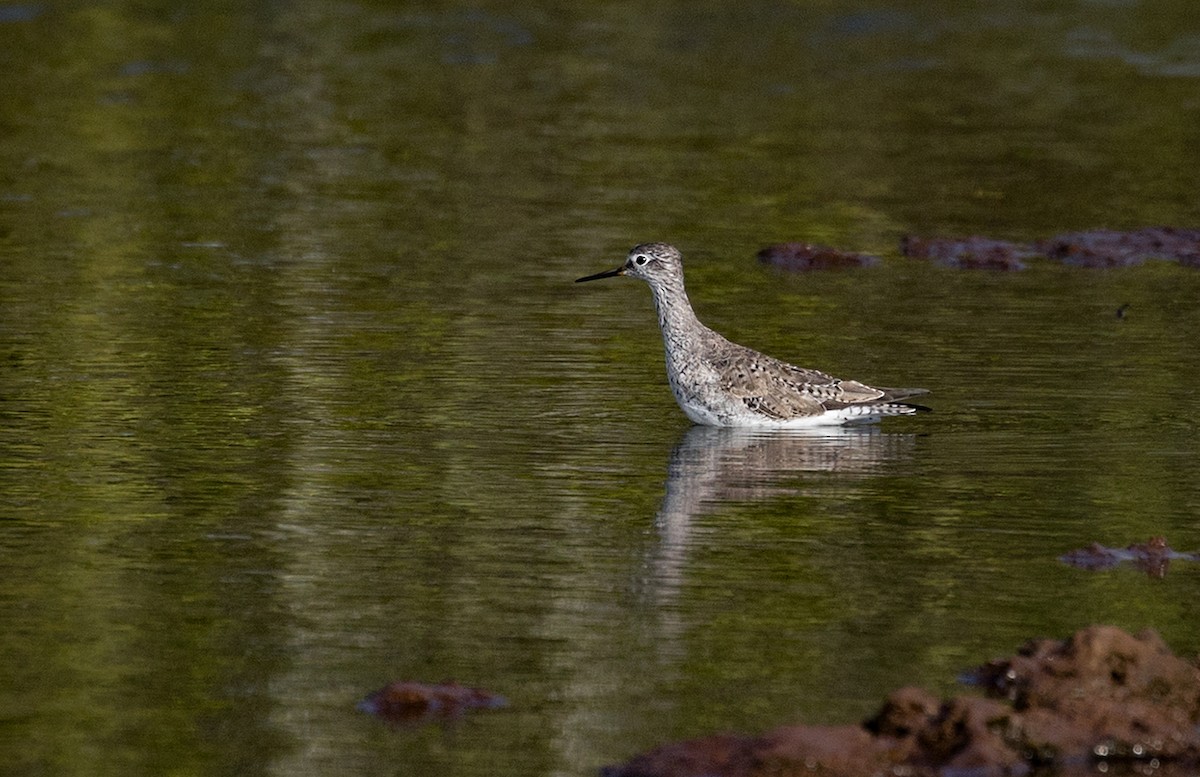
(297, 396)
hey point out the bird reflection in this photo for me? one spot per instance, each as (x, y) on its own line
(711, 467)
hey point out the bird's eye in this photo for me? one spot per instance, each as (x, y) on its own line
(639, 260)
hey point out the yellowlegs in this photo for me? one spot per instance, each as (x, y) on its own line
(720, 383)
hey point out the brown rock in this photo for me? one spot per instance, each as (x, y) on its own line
(1101, 694)
(904, 712)
(834, 751)
(967, 733)
(1102, 688)
(720, 754)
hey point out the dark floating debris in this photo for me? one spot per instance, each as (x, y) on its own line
(1152, 557)
(801, 257)
(405, 701)
(1098, 699)
(1093, 248)
(969, 253)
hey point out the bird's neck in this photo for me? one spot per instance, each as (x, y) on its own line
(675, 314)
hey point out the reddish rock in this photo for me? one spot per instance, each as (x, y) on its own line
(968, 253)
(1100, 695)
(802, 257)
(407, 701)
(1110, 248)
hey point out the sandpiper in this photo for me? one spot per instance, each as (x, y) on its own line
(721, 383)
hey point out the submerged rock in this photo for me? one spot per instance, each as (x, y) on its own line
(1110, 248)
(1101, 695)
(405, 701)
(801, 257)
(969, 253)
(1091, 248)
(1152, 557)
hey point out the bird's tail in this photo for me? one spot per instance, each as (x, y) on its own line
(870, 412)
(893, 394)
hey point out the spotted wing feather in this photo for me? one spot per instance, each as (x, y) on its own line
(783, 391)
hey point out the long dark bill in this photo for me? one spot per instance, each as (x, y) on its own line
(609, 274)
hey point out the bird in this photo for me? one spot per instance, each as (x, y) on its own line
(720, 383)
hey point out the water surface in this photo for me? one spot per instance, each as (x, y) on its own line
(297, 396)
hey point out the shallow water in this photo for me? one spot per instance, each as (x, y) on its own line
(297, 396)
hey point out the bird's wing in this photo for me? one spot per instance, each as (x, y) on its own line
(781, 390)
